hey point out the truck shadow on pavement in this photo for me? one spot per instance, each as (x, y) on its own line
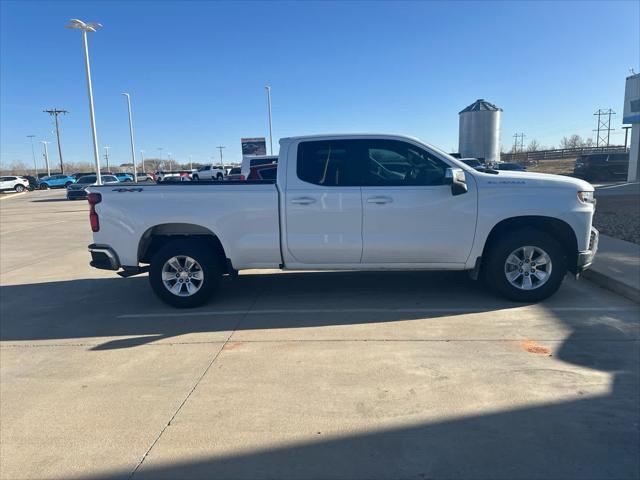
(592, 438)
(119, 307)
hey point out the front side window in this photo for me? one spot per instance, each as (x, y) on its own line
(327, 163)
(268, 173)
(396, 163)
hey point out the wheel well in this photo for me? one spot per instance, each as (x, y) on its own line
(558, 229)
(157, 237)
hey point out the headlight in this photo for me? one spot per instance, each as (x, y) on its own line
(586, 197)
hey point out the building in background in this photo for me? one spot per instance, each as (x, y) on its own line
(632, 116)
(479, 135)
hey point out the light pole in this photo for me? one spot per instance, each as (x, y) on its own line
(106, 157)
(133, 148)
(142, 160)
(46, 156)
(33, 154)
(190, 163)
(89, 27)
(170, 164)
(220, 147)
(268, 89)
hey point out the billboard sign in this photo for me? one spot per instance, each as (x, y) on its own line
(254, 146)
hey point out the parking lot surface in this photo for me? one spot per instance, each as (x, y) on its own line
(288, 375)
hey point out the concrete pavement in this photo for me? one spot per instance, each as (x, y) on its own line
(288, 375)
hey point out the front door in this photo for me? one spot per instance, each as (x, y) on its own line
(409, 213)
(323, 205)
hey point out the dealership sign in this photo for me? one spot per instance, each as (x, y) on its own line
(254, 146)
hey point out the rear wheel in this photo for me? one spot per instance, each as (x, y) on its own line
(527, 265)
(67, 184)
(44, 186)
(219, 177)
(195, 178)
(184, 273)
(19, 188)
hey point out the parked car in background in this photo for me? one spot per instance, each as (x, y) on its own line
(13, 182)
(514, 167)
(602, 166)
(124, 177)
(76, 191)
(145, 177)
(177, 179)
(472, 162)
(162, 175)
(235, 174)
(255, 160)
(263, 172)
(208, 172)
(78, 175)
(56, 181)
(33, 182)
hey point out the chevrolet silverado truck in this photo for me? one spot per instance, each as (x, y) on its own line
(350, 202)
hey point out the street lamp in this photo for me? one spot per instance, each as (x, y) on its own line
(133, 148)
(33, 154)
(142, 160)
(268, 89)
(89, 27)
(46, 156)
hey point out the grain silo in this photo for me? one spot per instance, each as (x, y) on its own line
(479, 135)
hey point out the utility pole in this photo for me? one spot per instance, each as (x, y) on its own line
(170, 161)
(46, 156)
(604, 126)
(55, 112)
(106, 157)
(220, 147)
(190, 163)
(626, 134)
(142, 161)
(33, 154)
(268, 89)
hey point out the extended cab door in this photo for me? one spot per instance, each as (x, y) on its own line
(410, 214)
(322, 204)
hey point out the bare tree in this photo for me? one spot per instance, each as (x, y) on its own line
(574, 141)
(534, 146)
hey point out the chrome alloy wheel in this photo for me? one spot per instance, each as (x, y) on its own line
(528, 268)
(182, 275)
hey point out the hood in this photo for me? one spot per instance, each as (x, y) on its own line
(531, 179)
(78, 186)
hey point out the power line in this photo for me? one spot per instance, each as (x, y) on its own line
(54, 112)
(604, 126)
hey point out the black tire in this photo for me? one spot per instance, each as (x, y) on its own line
(67, 184)
(19, 188)
(219, 177)
(493, 270)
(211, 271)
(44, 186)
(195, 178)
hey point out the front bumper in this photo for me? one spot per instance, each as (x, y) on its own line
(103, 257)
(585, 259)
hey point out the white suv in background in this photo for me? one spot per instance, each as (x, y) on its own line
(208, 172)
(18, 184)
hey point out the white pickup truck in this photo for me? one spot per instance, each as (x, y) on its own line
(350, 202)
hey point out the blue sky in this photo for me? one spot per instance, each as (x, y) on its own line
(196, 71)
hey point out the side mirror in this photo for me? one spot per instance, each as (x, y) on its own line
(456, 178)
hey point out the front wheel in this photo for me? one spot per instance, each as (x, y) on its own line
(184, 274)
(195, 178)
(527, 265)
(219, 177)
(44, 186)
(19, 188)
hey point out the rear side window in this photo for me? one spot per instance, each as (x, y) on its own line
(327, 163)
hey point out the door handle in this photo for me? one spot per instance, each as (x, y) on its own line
(303, 201)
(379, 200)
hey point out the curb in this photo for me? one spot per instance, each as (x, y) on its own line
(612, 284)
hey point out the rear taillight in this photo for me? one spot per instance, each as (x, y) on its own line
(242, 178)
(94, 199)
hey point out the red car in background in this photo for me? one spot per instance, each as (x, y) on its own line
(263, 172)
